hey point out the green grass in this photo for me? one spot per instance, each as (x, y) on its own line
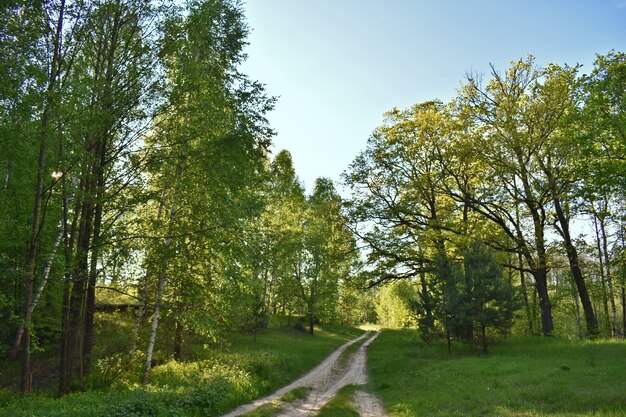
(266, 410)
(520, 377)
(273, 408)
(347, 354)
(216, 381)
(341, 405)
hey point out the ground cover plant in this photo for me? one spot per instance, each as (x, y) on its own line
(520, 377)
(221, 380)
(273, 408)
(341, 405)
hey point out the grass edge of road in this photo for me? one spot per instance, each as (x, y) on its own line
(520, 377)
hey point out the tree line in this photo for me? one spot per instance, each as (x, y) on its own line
(135, 167)
(512, 168)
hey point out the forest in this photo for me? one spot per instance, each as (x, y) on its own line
(140, 195)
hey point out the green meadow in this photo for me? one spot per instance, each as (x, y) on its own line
(520, 377)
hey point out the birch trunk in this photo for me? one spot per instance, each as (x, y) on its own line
(25, 373)
(162, 279)
(17, 339)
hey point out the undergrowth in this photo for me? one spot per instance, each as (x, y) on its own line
(209, 386)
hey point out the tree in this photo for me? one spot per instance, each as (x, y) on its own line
(489, 299)
(394, 305)
(518, 115)
(327, 254)
(281, 235)
(600, 128)
(208, 156)
(397, 208)
(55, 18)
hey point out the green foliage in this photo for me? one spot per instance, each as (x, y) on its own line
(327, 253)
(211, 386)
(394, 305)
(521, 377)
(603, 122)
(487, 299)
(509, 161)
(356, 306)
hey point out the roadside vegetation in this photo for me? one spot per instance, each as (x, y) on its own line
(341, 405)
(273, 408)
(212, 381)
(520, 377)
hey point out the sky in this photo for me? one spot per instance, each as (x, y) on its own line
(337, 66)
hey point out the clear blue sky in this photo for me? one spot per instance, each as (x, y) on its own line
(338, 65)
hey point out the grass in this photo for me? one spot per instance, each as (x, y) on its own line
(215, 381)
(341, 405)
(266, 410)
(347, 354)
(521, 377)
(273, 408)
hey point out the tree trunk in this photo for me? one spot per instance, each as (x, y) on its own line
(79, 285)
(540, 273)
(483, 334)
(143, 292)
(162, 278)
(623, 311)
(579, 325)
(155, 323)
(609, 279)
(623, 238)
(25, 381)
(522, 277)
(572, 257)
(605, 303)
(426, 302)
(17, 339)
(88, 333)
(539, 265)
(90, 302)
(137, 318)
(541, 283)
(311, 322)
(178, 340)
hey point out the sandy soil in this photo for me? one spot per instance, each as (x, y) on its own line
(367, 405)
(325, 380)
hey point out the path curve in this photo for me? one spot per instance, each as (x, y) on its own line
(317, 378)
(327, 386)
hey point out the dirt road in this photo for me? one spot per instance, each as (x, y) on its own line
(324, 381)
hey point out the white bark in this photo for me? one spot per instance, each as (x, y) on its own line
(162, 280)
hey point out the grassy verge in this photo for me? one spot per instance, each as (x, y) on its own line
(341, 404)
(218, 380)
(347, 354)
(521, 377)
(274, 408)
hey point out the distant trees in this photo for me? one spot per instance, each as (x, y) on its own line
(327, 253)
(395, 305)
